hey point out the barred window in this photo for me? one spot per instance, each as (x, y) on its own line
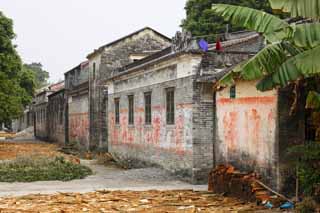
(148, 113)
(131, 109)
(117, 110)
(233, 92)
(170, 105)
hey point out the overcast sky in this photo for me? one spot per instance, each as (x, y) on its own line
(60, 33)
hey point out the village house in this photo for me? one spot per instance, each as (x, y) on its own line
(56, 115)
(24, 121)
(255, 129)
(102, 63)
(150, 107)
(77, 106)
(161, 109)
(40, 111)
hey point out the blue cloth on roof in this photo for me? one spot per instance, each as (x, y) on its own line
(203, 44)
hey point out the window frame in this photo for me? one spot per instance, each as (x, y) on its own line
(131, 109)
(170, 106)
(117, 110)
(233, 92)
(148, 108)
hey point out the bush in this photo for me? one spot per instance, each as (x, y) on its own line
(307, 160)
(40, 168)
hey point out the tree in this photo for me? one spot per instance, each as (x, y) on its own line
(292, 50)
(16, 85)
(201, 20)
(41, 76)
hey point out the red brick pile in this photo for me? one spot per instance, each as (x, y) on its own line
(231, 182)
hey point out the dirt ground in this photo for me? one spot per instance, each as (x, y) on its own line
(110, 189)
(11, 150)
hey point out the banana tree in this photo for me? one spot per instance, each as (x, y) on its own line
(292, 52)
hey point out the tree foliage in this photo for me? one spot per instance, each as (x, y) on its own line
(41, 76)
(201, 20)
(290, 56)
(16, 84)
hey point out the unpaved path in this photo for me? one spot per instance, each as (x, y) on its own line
(105, 178)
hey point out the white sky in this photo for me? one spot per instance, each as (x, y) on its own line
(60, 33)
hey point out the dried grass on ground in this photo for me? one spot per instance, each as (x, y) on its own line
(10, 150)
(125, 201)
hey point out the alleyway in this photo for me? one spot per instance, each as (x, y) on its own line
(105, 177)
(110, 189)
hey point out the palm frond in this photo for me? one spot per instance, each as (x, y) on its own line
(298, 8)
(251, 19)
(309, 62)
(288, 72)
(265, 62)
(307, 35)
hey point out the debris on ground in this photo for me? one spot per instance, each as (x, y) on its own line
(25, 134)
(126, 201)
(6, 135)
(245, 186)
(12, 150)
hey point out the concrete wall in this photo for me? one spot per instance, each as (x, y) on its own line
(56, 118)
(247, 129)
(169, 146)
(79, 120)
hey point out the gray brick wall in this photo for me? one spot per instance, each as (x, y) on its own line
(168, 146)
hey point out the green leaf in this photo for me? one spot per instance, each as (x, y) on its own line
(287, 73)
(313, 100)
(298, 8)
(265, 62)
(308, 62)
(251, 19)
(307, 35)
(227, 80)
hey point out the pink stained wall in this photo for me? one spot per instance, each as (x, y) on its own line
(246, 127)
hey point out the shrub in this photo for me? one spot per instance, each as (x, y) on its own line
(40, 168)
(307, 161)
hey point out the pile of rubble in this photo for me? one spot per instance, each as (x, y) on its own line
(245, 186)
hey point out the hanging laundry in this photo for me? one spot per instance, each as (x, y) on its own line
(203, 44)
(218, 45)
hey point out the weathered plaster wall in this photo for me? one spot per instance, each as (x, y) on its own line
(79, 120)
(246, 129)
(170, 146)
(56, 118)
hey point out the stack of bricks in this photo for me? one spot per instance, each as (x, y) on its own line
(231, 182)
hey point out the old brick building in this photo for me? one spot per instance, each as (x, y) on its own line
(161, 108)
(77, 106)
(40, 110)
(56, 117)
(103, 62)
(150, 101)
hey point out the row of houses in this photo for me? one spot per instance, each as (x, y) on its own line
(150, 100)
